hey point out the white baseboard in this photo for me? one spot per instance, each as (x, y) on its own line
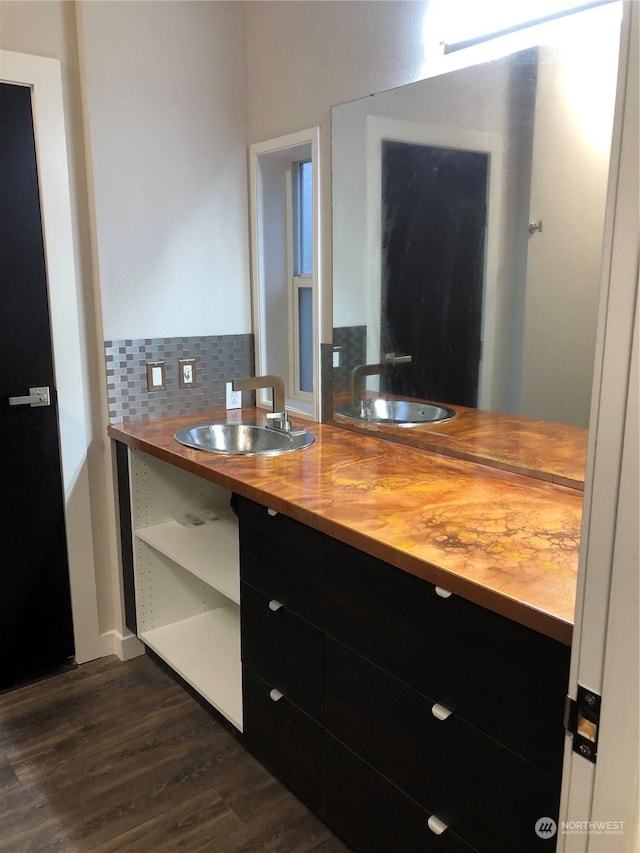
(125, 646)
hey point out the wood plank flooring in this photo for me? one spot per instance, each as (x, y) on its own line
(116, 756)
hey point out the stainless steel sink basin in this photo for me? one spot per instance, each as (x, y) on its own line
(405, 413)
(242, 439)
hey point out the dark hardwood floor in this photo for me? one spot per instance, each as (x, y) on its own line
(116, 756)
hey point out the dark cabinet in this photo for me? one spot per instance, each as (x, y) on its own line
(285, 650)
(284, 738)
(408, 718)
(283, 559)
(282, 647)
(495, 674)
(457, 772)
(373, 815)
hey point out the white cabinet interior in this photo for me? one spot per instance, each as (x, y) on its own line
(187, 578)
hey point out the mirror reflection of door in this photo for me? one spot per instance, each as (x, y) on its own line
(434, 208)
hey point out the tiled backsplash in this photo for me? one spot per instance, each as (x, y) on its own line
(218, 359)
(352, 344)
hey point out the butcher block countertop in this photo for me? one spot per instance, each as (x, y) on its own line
(502, 540)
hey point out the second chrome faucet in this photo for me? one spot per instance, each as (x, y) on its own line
(360, 373)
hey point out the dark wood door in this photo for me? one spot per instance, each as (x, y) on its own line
(36, 631)
(434, 204)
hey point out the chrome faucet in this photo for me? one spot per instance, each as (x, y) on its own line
(278, 414)
(360, 372)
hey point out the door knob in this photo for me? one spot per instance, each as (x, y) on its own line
(38, 396)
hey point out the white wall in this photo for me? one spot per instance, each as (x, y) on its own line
(49, 29)
(572, 135)
(305, 57)
(164, 97)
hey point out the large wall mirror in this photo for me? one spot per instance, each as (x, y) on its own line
(468, 217)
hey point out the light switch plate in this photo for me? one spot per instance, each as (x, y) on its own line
(156, 376)
(187, 372)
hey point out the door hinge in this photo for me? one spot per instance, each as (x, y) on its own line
(582, 720)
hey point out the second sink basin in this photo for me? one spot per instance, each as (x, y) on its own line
(397, 412)
(242, 439)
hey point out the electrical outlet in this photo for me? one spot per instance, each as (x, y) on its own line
(234, 398)
(336, 358)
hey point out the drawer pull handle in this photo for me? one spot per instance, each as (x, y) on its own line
(440, 712)
(272, 512)
(443, 593)
(436, 825)
(275, 695)
(275, 605)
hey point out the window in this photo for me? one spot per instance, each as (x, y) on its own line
(301, 314)
(285, 266)
(305, 218)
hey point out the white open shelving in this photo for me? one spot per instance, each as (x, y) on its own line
(209, 551)
(187, 579)
(205, 651)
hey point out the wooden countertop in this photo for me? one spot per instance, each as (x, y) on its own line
(505, 541)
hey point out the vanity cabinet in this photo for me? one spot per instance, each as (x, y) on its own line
(460, 775)
(408, 718)
(282, 606)
(186, 576)
(372, 814)
(497, 675)
(283, 558)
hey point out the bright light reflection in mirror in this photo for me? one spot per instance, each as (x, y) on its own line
(448, 22)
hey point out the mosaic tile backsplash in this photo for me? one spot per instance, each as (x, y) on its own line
(218, 358)
(352, 344)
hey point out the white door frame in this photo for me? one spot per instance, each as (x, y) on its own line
(283, 148)
(43, 76)
(599, 808)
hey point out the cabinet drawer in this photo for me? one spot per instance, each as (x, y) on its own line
(486, 793)
(284, 739)
(506, 679)
(282, 559)
(372, 815)
(284, 650)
